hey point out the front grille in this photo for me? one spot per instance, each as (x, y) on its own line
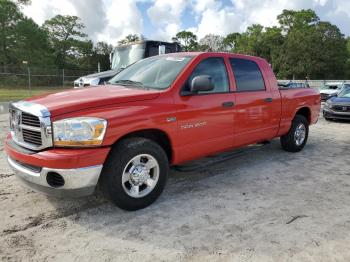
(341, 108)
(33, 137)
(30, 125)
(30, 120)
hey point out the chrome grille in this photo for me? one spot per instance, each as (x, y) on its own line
(30, 125)
(341, 108)
(33, 137)
(30, 120)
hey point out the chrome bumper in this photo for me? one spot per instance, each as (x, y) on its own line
(77, 182)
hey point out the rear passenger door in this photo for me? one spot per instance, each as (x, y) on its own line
(253, 109)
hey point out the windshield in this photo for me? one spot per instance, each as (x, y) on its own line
(157, 72)
(127, 55)
(345, 92)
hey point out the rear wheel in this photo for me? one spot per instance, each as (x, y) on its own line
(135, 173)
(297, 136)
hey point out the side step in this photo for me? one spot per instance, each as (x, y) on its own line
(216, 159)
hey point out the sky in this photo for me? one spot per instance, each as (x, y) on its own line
(112, 20)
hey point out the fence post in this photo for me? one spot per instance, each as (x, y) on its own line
(62, 77)
(29, 81)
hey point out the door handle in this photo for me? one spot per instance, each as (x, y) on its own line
(228, 104)
(268, 100)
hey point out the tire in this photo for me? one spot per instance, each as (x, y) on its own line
(124, 171)
(292, 142)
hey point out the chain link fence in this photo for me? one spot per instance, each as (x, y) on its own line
(317, 84)
(26, 77)
(50, 78)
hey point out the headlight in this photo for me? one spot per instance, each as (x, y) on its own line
(79, 131)
(329, 105)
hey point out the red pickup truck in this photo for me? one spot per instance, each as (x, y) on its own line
(160, 111)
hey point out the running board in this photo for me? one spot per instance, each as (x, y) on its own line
(216, 159)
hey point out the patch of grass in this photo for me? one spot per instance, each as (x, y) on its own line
(15, 94)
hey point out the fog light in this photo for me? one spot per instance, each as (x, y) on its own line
(54, 179)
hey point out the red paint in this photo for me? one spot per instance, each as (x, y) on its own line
(249, 121)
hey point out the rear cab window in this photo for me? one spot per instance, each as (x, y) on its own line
(247, 75)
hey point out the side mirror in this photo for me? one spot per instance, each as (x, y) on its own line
(202, 83)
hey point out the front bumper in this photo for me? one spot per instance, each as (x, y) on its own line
(79, 168)
(77, 182)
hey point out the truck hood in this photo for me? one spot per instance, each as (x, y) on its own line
(108, 73)
(329, 91)
(91, 97)
(340, 100)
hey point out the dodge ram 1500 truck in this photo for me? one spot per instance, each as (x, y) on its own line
(160, 111)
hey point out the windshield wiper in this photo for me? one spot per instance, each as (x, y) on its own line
(128, 82)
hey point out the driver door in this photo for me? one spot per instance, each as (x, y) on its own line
(205, 119)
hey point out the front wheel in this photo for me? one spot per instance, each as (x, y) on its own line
(135, 173)
(297, 136)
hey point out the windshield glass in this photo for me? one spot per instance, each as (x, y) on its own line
(345, 92)
(157, 72)
(127, 55)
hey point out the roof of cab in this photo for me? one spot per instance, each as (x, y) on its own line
(212, 53)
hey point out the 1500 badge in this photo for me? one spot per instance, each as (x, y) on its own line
(195, 125)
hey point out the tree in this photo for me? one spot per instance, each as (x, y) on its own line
(187, 40)
(212, 43)
(271, 43)
(230, 41)
(347, 74)
(290, 19)
(315, 51)
(32, 44)
(10, 15)
(131, 38)
(250, 41)
(65, 34)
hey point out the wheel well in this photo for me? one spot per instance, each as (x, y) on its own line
(156, 135)
(306, 112)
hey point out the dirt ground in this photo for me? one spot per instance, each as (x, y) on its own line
(267, 205)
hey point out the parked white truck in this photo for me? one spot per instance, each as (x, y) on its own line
(125, 55)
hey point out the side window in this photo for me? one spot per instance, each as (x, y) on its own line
(153, 50)
(247, 74)
(214, 67)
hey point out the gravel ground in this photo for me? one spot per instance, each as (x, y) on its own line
(266, 205)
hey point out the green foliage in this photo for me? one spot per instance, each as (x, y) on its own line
(188, 40)
(32, 44)
(10, 15)
(290, 19)
(65, 34)
(230, 41)
(131, 38)
(347, 67)
(313, 49)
